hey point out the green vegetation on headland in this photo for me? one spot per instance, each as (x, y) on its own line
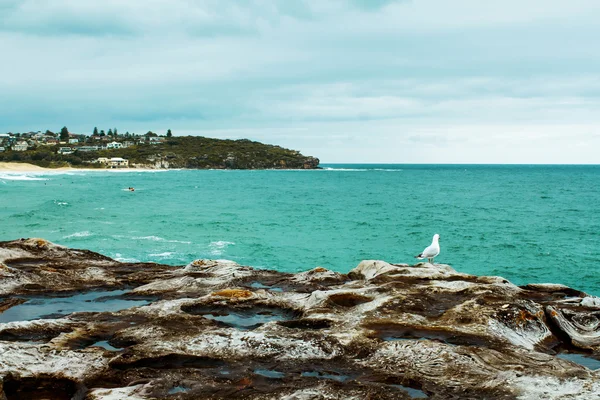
(148, 151)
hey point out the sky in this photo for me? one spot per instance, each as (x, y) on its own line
(353, 81)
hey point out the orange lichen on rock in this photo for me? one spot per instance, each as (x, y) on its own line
(198, 263)
(36, 242)
(234, 293)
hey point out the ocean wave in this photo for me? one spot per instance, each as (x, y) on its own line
(119, 257)
(78, 235)
(165, 254)
(217, 248)
(361, 169)
(20, 177)
(159, 239)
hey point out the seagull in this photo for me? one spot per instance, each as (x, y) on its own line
(432, 250)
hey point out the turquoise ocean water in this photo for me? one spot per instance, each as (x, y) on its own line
(526, 223)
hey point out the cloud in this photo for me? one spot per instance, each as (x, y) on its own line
(343, 79)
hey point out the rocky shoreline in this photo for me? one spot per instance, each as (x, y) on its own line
(215, 329)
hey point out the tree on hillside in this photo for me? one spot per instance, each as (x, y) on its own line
(102, 133)
(115, 133)
(150, 134)
(49, 133)
(110, 132)
(169, 134)
(95, 131)
(64, 134)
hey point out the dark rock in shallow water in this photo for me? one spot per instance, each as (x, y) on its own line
(215, 329)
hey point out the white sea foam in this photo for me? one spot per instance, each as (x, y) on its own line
(20, 177)
(78, 234)
(163, 255)
(217, 248)
(119, 257)
(159, 239)
(344, 169)
(361, 169)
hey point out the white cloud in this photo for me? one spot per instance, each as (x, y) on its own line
(356, 80)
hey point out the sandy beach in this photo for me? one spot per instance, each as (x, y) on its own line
(25, 167)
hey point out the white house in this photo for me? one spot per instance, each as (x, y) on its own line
(114, 162)
(114, 145)
(118, 162)
(1, 149)
(20, 146)
(65, 150)
(73, 141)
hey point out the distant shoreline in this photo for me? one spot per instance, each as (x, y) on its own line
(26, 167)
(20, 167)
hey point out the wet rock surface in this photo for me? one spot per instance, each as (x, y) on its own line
(215, 329)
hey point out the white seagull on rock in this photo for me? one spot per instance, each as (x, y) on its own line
(432, 251)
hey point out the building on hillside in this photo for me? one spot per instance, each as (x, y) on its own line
(87, 148)
(114, 145)
(65, 150)
(2, 149)
(118, 162)
(127, 143)
(73, 140)
(20, 146)
(114, 162)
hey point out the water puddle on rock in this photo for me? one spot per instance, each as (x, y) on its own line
(413, 393)
(55, 307)
(258, 285)
(326, 375)
(269, 373)
(588, 362)
(241, 318)
(104, 344)
(178, 389)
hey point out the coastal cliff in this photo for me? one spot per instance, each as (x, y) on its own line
(216, 329)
